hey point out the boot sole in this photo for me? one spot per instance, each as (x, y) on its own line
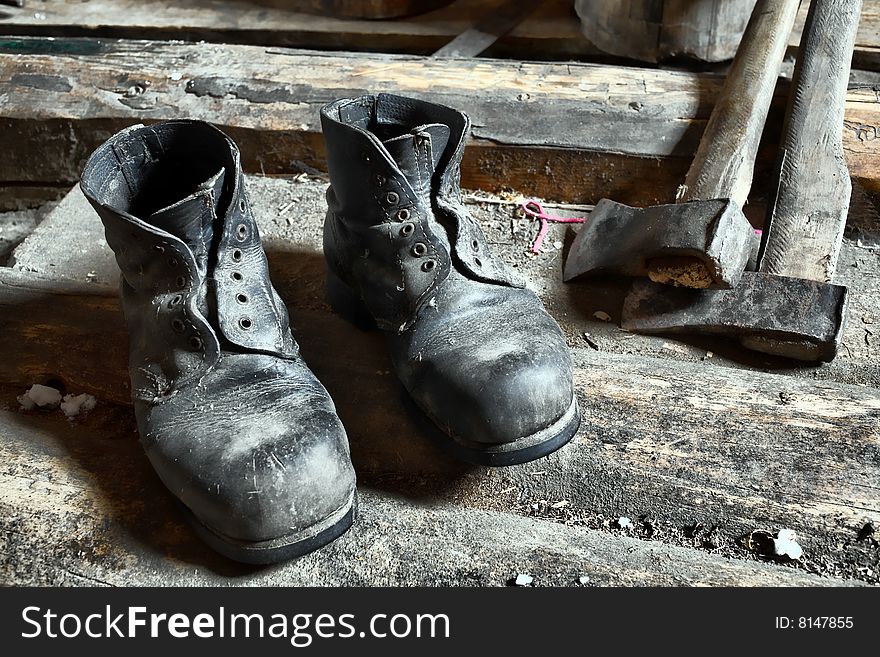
(289, 546)
(346, 303)
(522, 450)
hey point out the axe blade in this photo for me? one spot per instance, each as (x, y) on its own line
(712, 239)
(789, 317)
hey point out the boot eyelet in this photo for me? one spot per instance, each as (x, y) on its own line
(195, 342)
(379, 179)
(246, 323)
(178, 325)
(158, 248)
(175, 300)
(475, 245)
(242, 206)
(241, 298)
(403, 214)
(407, 229)
(478, 262)
(181, 281)
(241, 232)
(428, 265)
(419, 249)
(392, 198)
(236, 255)
(237, 276)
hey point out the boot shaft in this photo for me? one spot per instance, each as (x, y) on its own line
(194, 274)
(395, 200)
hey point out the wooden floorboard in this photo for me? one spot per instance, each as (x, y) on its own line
(80, 505)
(677, 444)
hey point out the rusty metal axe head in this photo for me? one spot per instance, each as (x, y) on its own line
(699, 244)
(790, 317)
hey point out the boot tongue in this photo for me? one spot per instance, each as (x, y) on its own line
(418, 152)
(192, 218)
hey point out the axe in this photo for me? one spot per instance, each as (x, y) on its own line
(789, 306)
(703, 240)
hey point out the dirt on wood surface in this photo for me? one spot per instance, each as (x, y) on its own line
(290, 213)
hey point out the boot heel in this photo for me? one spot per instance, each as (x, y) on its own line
(346, 303)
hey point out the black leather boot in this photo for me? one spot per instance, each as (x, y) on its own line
(232, 419)
(474, 348)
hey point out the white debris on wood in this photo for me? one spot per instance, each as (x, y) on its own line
(39, 396)
(523, 580)
(73, 405)
(785, 545)
(583, 580)
(623, 522)
(602, 316)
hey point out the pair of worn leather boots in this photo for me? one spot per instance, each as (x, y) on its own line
(232, 419)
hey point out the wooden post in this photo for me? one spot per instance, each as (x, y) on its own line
(654, 30)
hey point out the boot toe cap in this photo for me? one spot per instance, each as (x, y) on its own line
(495, 389)
(256, 452)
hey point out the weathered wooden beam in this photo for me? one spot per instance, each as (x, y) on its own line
(571, 132)
(80, 506)
(679, 443)
(553, 31)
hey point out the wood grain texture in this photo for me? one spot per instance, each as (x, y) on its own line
(617, 137)
(809, 215)
(80, 506)
(654, 30)
(569, 132)
(552, 32)
(681, 443)
(724, 163)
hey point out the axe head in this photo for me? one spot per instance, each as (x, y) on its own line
(700, 244)
(789, 317)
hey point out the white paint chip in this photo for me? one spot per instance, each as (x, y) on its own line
(523, 580)
(73, 405)
(623, 522)
(39, 396)
(785, 545)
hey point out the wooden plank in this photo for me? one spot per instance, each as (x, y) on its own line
(79, 505)
(552, 32)
(571, 132)
(640, 411)
(679, 443)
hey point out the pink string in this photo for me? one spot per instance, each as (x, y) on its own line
(545, 220)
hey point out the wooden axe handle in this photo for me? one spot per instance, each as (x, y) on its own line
(725, 160)
(805, 229)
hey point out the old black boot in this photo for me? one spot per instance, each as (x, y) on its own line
(234, 422)
(474, 348)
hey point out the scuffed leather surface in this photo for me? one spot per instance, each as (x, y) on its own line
(256, 448)
(485, 362)
(233, 421)
(474, 348)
